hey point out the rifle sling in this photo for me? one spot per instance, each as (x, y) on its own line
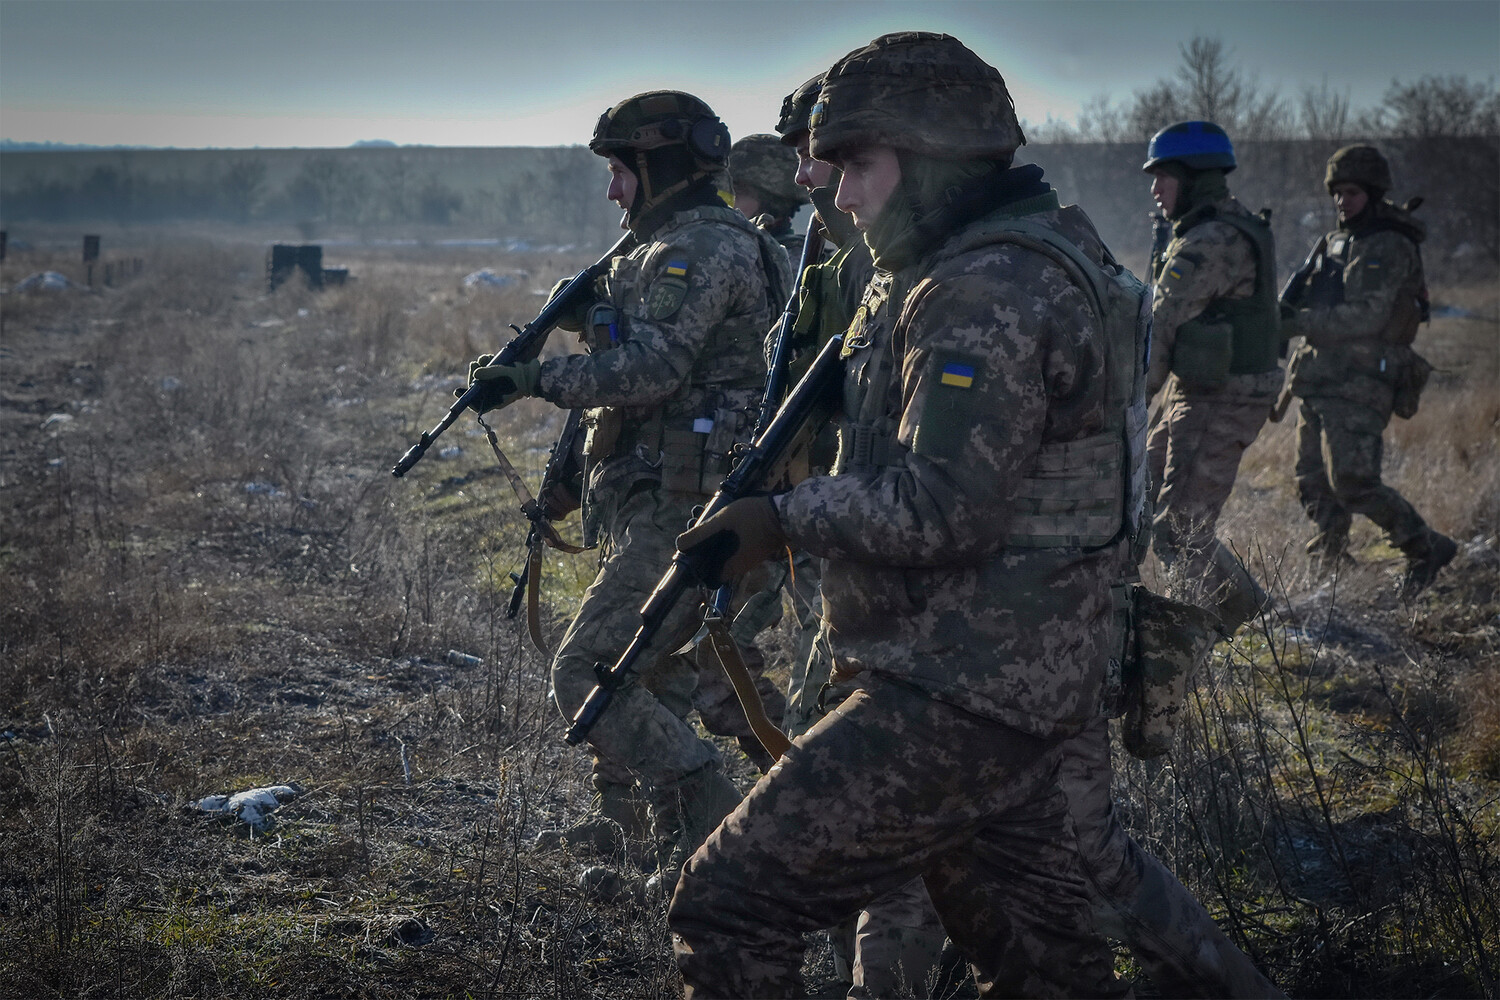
(772, 738)
(533, 602)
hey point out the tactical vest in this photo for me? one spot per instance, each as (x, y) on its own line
(691, 449)
(1255, 322)
(1085, 493)
(1325, 288)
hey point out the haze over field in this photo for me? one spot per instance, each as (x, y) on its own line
(274, 74)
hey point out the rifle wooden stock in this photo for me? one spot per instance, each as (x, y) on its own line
(810, 401)
(525, 345)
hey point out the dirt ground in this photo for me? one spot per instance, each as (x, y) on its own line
(209, 582)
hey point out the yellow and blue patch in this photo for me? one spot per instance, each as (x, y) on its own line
(677, 268)
(958, 375)
(1174, 272)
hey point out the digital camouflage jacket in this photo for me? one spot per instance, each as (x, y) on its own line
(1210, 261)
(985, 355)
(1353, 350)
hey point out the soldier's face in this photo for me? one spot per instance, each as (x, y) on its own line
(1350, 199)
(1164, 191)
(871, 173)
(811, 173)
(622, 183)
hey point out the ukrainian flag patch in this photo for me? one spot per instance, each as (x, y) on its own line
(1174, 272)
(677, 268)
(958, 375)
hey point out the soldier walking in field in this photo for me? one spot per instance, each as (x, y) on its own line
(1358, 316)
(672, 373)
(1215, 344)
(981, 639)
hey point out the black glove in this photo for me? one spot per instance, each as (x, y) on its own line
(732, 542)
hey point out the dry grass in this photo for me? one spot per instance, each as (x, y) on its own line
(211, 582)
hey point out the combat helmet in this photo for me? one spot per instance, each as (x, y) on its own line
(1362, 165)
(918, 91)
(796, 110)
(1196, 145)
(768, 169)
(667, 138)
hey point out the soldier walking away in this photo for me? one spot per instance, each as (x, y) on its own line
(969, 355)
(1215, 344)
(761, 173)
(1358, 316)
(672, 374)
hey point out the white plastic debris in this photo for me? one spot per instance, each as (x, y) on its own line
(252, 807)
(489, 278)
(57, 420)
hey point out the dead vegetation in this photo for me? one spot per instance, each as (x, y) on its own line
(211, 582)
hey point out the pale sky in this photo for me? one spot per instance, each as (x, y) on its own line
(234, 73)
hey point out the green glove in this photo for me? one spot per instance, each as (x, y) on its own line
(733, 541)
(502, 385)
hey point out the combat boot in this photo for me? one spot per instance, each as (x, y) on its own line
(1426, 554)
(683, 813)
(617, 816)
(1328, 554)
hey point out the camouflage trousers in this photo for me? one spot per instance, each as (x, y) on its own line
(1139, 902)
(890, 786)
(1194, 453)
(1338, 474)
(643, 734)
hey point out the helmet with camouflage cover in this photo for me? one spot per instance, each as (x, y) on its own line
(667, 138)
(660, 118)
(1196, 145)
(796, 109)
(765, 168)
(1362, 165)
(918, 91)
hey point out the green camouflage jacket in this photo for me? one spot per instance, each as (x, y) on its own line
(995, 351)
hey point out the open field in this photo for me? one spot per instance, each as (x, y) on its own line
(210, 582)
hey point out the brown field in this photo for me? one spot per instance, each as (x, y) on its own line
(210, 582)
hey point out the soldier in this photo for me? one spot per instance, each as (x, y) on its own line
(981, 638)
(1358, 318)
(892, 946)
(1215, 343)
(761, 171)
(673, 372)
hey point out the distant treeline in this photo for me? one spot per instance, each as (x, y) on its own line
(557, 194)
(539, 191)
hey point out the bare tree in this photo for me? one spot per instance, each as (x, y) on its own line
(1324, 113)
(1100, 120)
(1434, 107)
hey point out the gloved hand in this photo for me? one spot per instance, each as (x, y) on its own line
(734, 541)
(502, 384)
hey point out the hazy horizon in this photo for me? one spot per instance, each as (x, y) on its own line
(244, 75)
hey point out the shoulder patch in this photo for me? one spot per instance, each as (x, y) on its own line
(947, 411)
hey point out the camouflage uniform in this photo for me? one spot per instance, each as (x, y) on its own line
(1356, 350)
(1196, 445)
(942, 765)
(679, 352)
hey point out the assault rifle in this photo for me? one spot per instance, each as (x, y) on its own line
(777, 375)
(809, 403)
(1296, 286)
(525, 345)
